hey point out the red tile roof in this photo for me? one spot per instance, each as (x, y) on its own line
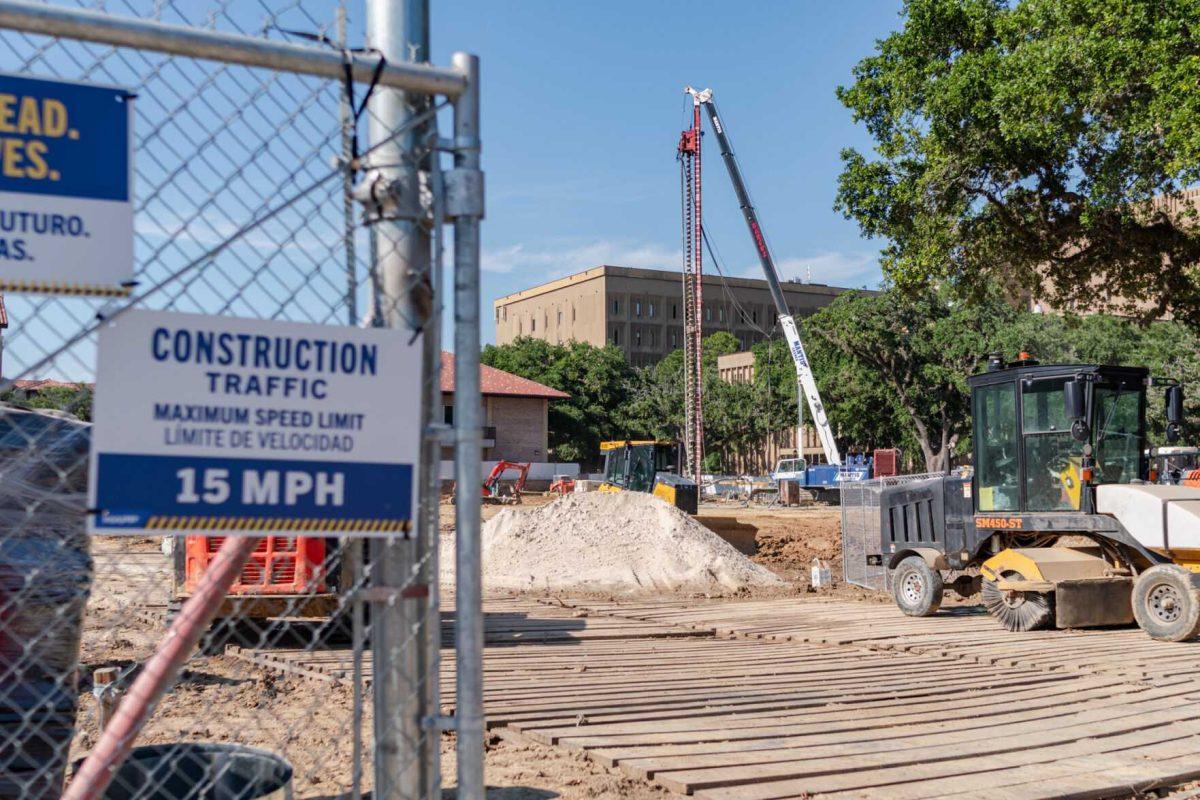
(498, 382)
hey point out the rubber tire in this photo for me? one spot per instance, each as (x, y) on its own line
(914, 569)
(1186, 586)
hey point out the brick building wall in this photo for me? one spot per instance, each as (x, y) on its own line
(522, 431)
(515, 412)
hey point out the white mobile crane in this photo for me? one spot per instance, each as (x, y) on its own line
(804, 373)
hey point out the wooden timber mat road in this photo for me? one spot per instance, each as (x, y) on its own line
(803, 698)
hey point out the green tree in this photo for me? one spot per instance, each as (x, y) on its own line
(654, 409)
(598, 379)
(911, 355)
(1021, 144)
(76, 400)
(731, 411)
(860, 408)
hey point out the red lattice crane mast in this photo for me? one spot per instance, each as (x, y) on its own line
(693, 386)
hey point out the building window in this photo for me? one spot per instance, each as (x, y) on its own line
(560, 316)
(674, 339)
(674, 311)
(652, 309)
(572, 312)
(616, 337)
(533, 324)
(497, 315)
(652, 338)
(520, 328)
(754, 314)
(637, 308)
(708, 314)
(721, 313)
(448, 414)
(616, 306)
(637, 338)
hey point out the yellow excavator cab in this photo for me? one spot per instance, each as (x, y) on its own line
(648, 466)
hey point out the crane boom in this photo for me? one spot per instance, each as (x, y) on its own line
(804, 371)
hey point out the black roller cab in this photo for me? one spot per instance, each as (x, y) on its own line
(1043, 436)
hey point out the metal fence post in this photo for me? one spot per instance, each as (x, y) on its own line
(399, 30)
(464, 200)
(244, 132)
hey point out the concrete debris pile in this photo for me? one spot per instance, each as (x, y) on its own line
(626, 543)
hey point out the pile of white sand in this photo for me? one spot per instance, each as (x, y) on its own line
(624, 543)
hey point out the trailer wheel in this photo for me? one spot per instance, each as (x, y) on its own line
(917, 587)
(1166, 603)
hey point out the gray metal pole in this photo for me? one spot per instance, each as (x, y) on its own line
(464, 201)
(231, 48)
(396, 28)
(346, 114)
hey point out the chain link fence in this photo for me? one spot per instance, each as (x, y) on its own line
(861, 520)
(241, 208)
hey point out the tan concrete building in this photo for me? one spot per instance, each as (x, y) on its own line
(640, 310)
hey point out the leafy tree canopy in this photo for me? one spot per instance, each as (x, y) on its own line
(76, 400)
(911, 356)
(893, 367)
(1022, 144)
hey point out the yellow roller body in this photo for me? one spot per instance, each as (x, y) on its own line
(1050, 564)
(1087, 591)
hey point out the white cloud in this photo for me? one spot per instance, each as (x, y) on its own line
(853, 270)
(551, 262)
(836, 268)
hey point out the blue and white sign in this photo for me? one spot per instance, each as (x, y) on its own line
(207, 424)
(66, 216)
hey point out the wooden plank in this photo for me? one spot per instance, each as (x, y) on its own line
(908, 748)
(933, 779)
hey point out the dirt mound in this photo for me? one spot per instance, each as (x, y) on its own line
(626, 543)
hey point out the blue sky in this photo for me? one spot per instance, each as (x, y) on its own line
(583, 106)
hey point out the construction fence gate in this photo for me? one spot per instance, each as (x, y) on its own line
(289, 161)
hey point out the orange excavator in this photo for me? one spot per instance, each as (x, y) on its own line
(497, 490)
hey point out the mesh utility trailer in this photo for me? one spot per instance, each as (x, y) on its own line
(862, 562)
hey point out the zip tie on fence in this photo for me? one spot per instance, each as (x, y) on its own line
(356, 113)
(347, 78)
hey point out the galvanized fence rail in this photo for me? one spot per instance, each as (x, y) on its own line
(245, 139)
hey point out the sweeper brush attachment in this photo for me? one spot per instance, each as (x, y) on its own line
(1018, 611)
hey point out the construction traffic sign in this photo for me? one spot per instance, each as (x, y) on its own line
(206, 423)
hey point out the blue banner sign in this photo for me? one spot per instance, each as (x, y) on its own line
(66, 213)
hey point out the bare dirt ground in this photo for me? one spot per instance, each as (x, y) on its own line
(223, 699)
(220, 698)
(788, 539)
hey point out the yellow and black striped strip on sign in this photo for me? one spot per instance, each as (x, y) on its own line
(58, 287)
(292, 525)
